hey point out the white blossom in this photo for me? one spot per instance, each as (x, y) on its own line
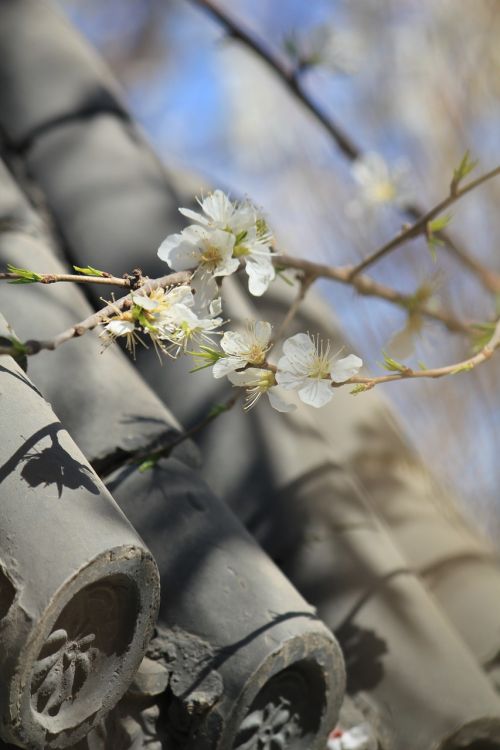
(243, 348)
(380, 184)
(219, 212)
(256, 253)
(242, 221)
(120, 327)
(209, 250)
(308, 367)
(183, 326)
(258, 381)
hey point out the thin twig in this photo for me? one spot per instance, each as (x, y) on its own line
(212, 414)
(368, 287)
(420, 226)
(34, 346)
(53, 278)
(146, 457)
(306, 280)
(291, 79)
(438, 372)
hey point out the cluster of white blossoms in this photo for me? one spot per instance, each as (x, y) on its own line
(169, 317)
(187, 316)
(225, 234)
(307, 366)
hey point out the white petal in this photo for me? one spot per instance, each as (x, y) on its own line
(301, 345)
(277, 402)
(287, 379)
(228, 267)
(194, 216)
(317, 392)
(215, 307)
(234, 344)
(263, 331)
(120, 327)
(182, 256)
(345, 368)
(205, 290)
(218, 207)
(260, 276)
(249, 377)
(225, 365)
(167, 245)
(145, 302)
(181, 295)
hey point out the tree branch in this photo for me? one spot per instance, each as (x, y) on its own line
(53, 278)
(368, 287)
(290, 78)
(420, 226)
(407, 373)
(33, 346)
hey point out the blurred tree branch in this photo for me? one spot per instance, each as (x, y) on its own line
(490, 279)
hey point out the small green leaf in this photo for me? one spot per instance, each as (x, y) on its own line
(436, 225)
(432, 243)
(360, 388)
(89, 271)
(464, 168)
(148, 463)
(422, 365)
(439, 223)
(482, 335)
(25, 276)
(19, 352)
(393, 365)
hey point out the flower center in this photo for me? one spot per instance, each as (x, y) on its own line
(256, 354)
(211, 257)
(240, 250)
(383, 191)
(320, 367)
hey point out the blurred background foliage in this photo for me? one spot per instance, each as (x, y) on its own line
(417, 82)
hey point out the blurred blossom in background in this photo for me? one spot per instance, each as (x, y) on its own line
(415, 83)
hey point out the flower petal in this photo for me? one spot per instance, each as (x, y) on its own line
(225, 365)
(287, 379)
(181, 254)
(234, 344)
(277, 402)
(345, 368)
(120, 327)
(145, 302)
(260, 275)
(218, 207)
(249, 377)
(317, 392)
(301, 346)
(194, 216)
(263, 331)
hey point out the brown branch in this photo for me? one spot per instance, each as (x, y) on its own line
(420, 226)
(53, 278)
(368, 287)
(290, 78)
(438, 372)
(34, 346)
(305, 281)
